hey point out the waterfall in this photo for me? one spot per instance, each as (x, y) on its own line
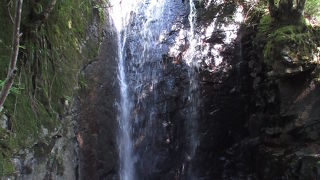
(120, 13)
(193, 94)
(137, 42)
(140, 25)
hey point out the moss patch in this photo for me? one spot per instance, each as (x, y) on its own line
(293, 44)
(51, 55)
(6, 167)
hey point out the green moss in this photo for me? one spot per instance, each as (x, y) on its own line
(14, 89)
(297, 42)
(312, 9)
(49, 62)
(82, 82)
(265, 24)
(99, 7)
(6, 167)
(5, 38)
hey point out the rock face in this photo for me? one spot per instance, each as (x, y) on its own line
(60, 162)
(281, 114)
(253, 124)
(96, 119)
(158, 90)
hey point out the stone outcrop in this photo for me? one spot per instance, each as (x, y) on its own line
(258, 119)
(96, 110)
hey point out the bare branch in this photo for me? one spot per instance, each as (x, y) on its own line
(8, 6)
(14, 54)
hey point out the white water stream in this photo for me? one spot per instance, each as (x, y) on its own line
(139, 25)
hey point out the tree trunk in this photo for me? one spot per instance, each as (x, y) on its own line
(272, 8)
(285, 12)
(14, 54)
(286, 6)
(300, 6)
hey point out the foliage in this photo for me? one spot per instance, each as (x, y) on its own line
(296, 40)
(82, 82)
(50, 58)
(312, 8)
(296, 44)
(6, 167)
(265, 24)
(14, 89)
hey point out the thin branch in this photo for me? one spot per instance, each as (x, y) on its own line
(14, 54)
(9, 12)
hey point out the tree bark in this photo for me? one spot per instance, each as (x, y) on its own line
(14, 54)
(272, 8)
(300, 6)
(285, 12)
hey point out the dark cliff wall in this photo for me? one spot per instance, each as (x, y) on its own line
(259, 110)
(263, 113)
(96, 118)
(257, 119)
(283, 95)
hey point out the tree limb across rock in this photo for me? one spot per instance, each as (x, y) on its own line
(14, 54)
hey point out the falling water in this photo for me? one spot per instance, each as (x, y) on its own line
(137, 47)
(140, 25)
(120, 13)
(191, 35)
(193, 97)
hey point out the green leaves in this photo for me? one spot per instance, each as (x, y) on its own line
(312, 8)
(14, 89)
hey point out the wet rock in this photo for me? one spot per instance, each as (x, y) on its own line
(282, 114)
(96, 112)
(56, 160)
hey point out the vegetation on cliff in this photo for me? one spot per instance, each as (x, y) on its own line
(53, 47)
(52, 50)
(289, 43)
(282, 51)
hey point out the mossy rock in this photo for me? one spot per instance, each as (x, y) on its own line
(50, 58)
(289, 49)
(6, 167)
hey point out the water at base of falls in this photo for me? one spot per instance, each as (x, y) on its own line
(145, 131)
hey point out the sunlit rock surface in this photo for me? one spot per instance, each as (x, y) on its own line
(250, 122)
